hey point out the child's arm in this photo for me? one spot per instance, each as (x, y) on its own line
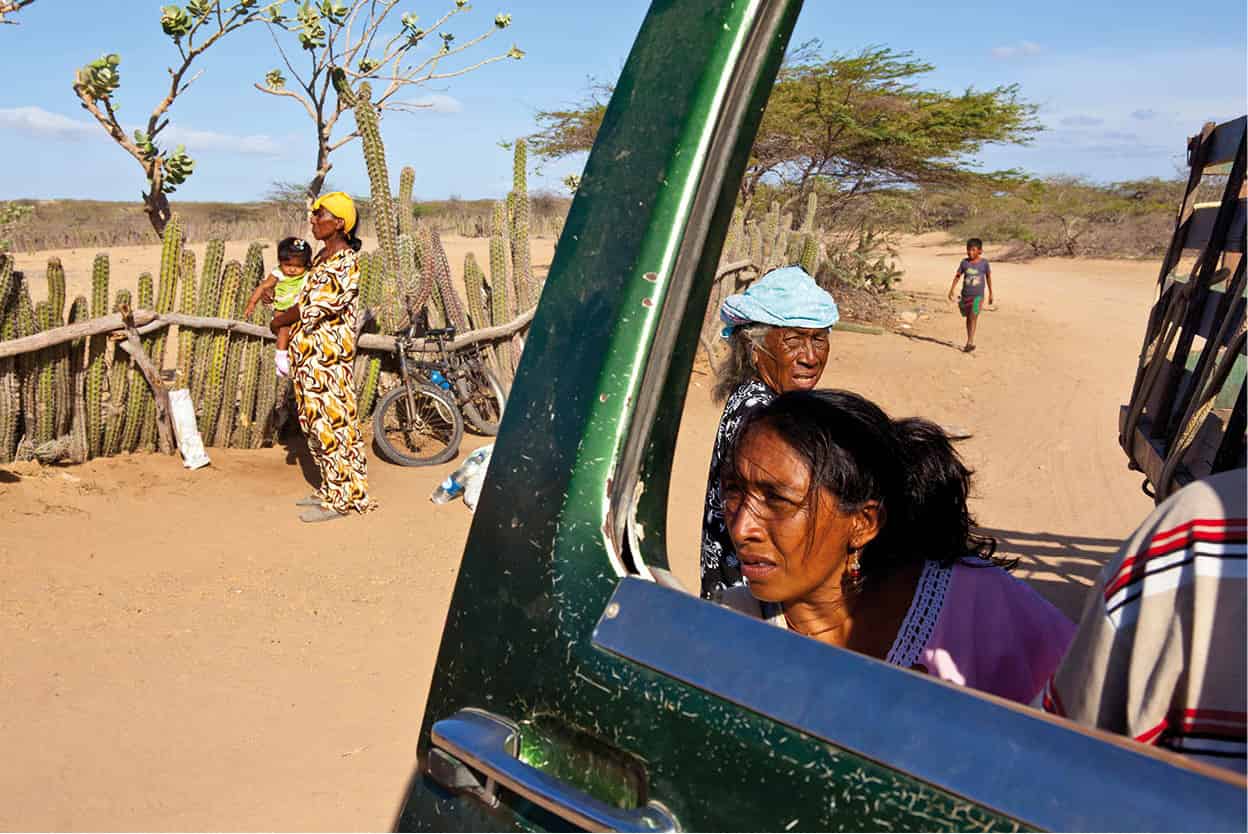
(258, 295)
(988, 278)
(957, 277)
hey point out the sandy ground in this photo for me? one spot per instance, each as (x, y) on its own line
(177, 652)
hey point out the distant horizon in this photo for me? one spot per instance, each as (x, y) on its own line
(1117, 94)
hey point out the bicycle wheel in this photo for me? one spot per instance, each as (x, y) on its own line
(429, 435)
(483, 399)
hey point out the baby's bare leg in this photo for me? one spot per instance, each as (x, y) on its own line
(283, 337)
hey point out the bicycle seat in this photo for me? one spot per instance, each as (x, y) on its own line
(440, 332)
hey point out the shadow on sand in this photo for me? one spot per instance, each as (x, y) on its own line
(1061, 567)
(919, 338)
(291, 438)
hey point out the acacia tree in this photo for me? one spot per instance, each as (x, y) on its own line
(855, 124)
(344, 43)
(194, 30)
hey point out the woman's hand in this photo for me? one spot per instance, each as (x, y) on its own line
(284, 319)
(268, 293)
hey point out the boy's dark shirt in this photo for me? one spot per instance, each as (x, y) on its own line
(973, 275)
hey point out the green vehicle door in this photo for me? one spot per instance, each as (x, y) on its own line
(573, 687)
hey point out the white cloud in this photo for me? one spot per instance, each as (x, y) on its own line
(1145, 115)
(1082, 121)
(439, 103)
(209, 140)
(1021, 49)
(43, 124)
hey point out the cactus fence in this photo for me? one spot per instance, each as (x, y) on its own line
(95, 386)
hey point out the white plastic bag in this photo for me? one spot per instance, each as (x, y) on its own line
(474, 479)
(185, 430)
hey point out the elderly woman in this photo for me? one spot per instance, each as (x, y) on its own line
(322, 350)
(778, 333)
(853, 529)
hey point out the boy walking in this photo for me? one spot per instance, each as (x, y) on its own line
(975, 274)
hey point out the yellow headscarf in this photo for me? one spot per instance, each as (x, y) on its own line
(339, 205)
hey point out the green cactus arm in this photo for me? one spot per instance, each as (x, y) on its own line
(56, 292)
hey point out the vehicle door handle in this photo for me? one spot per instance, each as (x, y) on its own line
(487, 743)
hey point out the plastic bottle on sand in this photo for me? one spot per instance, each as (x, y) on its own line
(448, 490)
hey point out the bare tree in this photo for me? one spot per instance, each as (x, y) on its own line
(193, 30)
(7, 7)
(346, 40)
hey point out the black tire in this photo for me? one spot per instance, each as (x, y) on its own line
(483, 399)
(432, 437)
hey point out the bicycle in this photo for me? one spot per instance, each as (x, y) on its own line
(463, 374)
(419, 422)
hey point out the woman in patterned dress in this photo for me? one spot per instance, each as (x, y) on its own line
(853, 529)
(322, 351)
(778, 333)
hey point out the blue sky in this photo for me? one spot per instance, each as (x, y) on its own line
(1118, 90)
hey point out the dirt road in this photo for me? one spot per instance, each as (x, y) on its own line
(177, 652)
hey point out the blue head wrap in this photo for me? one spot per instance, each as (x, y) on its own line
(785, 297)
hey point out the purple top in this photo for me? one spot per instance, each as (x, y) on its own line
(973, 626)
(981, 627)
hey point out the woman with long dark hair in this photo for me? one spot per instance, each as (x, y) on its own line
(853, 529)
(322, 351)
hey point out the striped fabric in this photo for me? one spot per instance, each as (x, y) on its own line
(1160, 654)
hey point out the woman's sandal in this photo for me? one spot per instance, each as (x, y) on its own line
(312, 500)
(318, 514)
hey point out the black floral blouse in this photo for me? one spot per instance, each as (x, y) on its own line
(720, 568)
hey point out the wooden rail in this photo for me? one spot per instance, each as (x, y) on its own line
(148, 321)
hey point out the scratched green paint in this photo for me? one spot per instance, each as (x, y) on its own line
(536, 573)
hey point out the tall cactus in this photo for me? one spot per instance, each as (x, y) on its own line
(809, 259)
(371, 298)
(209, 302)
(229, 385)
(366, 123)
(474, 285)
(249, 385)
(407, 179)
(167, 290)
(754, 249)
(253, 274)
(502, 299)
(45, 397)
(141, 397)
(10, 388)
(186, 336)
(521, 256)
(409, 279)
(211, 405)
(56, 291)
(439, 267)
(771, 227)
(812, 210)
(58, 355)
(266, 396)
(118, 379)
(28, 364)
(97, 364)
(79, 448)
(429, 295)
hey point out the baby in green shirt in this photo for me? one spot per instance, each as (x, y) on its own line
(282, 287)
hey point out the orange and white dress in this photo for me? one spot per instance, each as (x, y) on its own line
(322, 352)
